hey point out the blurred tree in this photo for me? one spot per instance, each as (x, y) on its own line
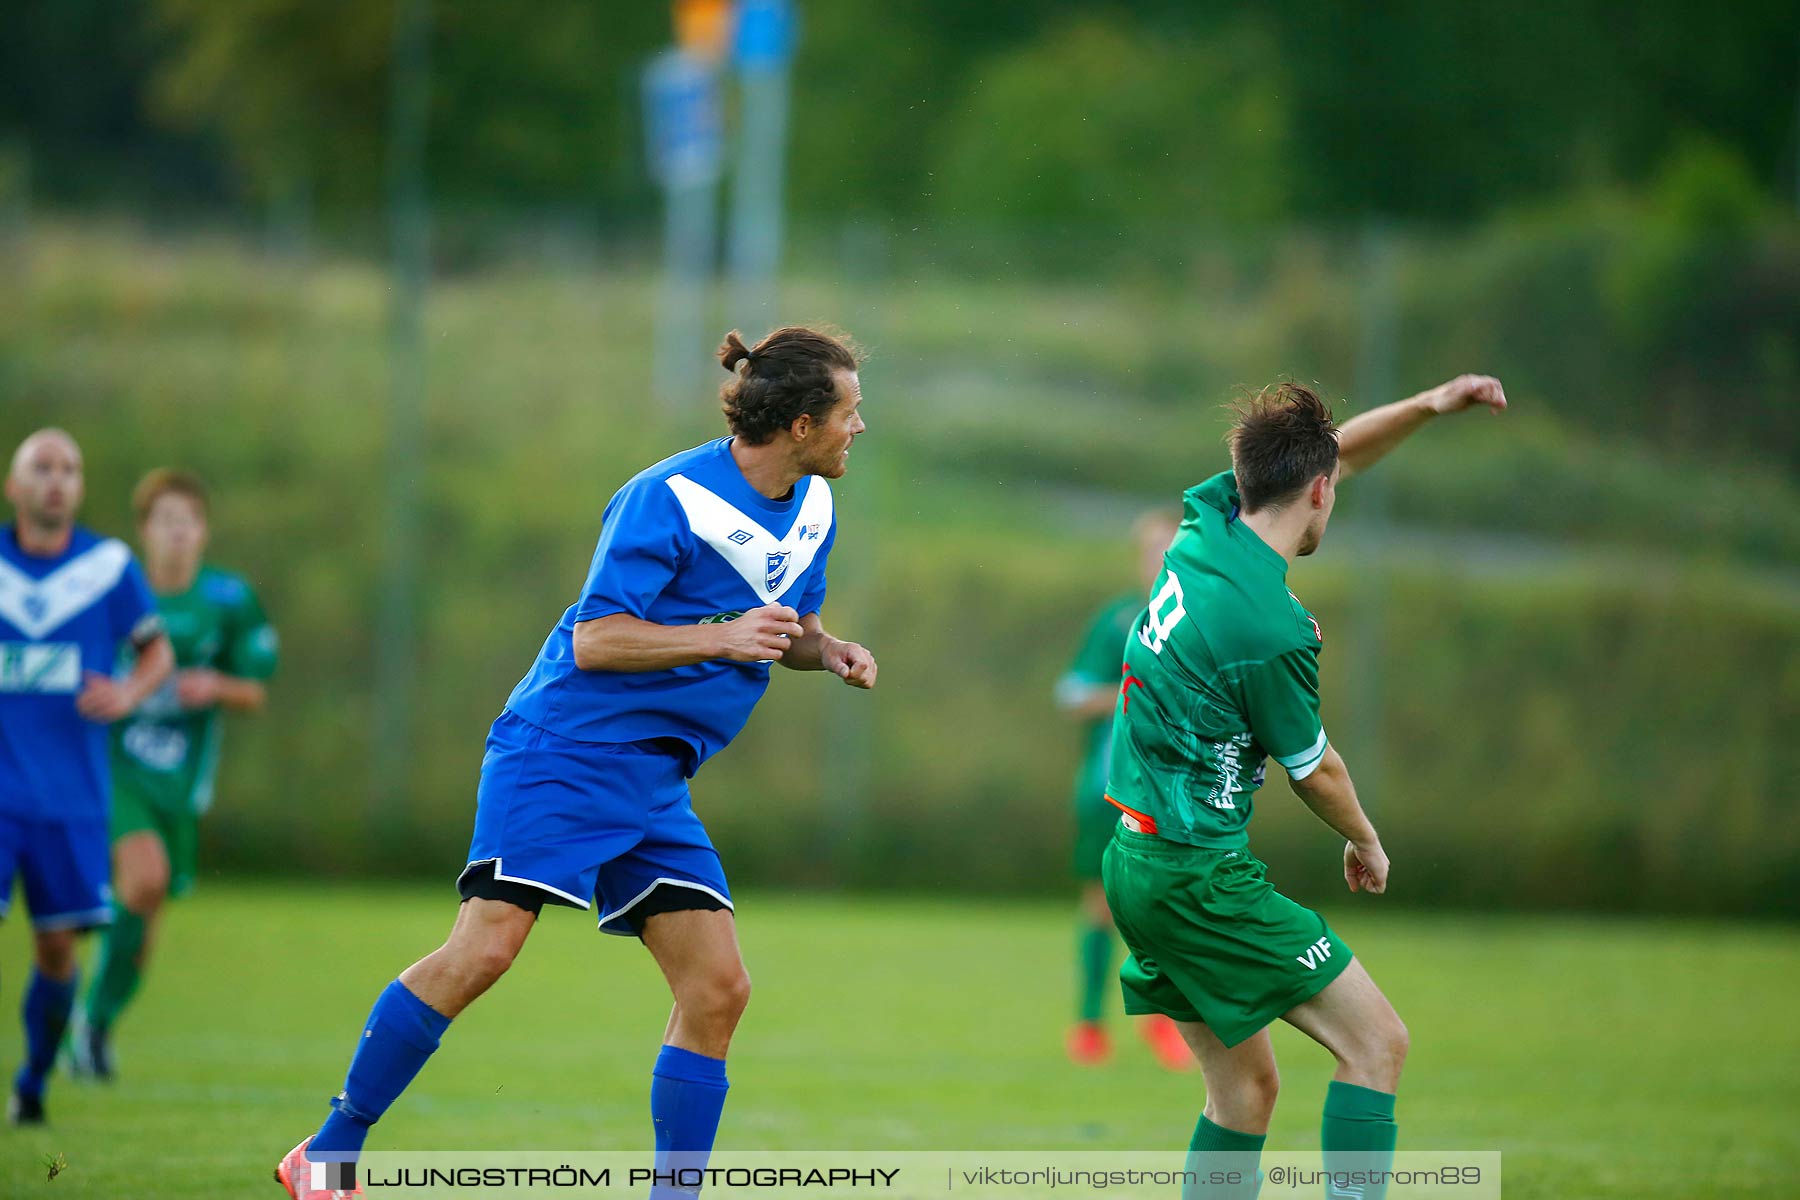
(1410, 109)
(1156, 129)
(1711, 314)
(524, 108)
(1423, 109)
(1702, 204)
(297, 90)
(72, 106)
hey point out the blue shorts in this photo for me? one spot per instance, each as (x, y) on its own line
(586, 819)
(66, 867)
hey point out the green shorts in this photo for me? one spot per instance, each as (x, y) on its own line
(179, 831)
(1095, 820)
(1211, 940)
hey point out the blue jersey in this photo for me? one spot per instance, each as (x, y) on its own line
(60, 618)
(686, 542)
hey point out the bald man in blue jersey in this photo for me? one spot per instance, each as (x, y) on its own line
(710, 568)
(69, 599)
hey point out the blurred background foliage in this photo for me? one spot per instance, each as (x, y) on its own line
(1193, 110)
(1564, 646)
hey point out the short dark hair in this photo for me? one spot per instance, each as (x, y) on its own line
(791, 372)
(168, 481)
(1283, 439)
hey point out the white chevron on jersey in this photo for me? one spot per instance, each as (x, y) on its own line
(38, 606)
(755, 554)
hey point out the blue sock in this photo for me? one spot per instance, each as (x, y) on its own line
(46, 1012)
(401, 1034)
(687, 1094)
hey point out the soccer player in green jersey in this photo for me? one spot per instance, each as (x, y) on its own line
(1089, 691)
(1221, 672)
(166, 755)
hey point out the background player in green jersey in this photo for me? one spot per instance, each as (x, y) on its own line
(1088, 691)
(165, 757)
(1221, 672)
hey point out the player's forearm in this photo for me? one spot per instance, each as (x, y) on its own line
(1331, 795)
(155, 663)
(623, 643)
(1098, 703)
(242, 695)
(1364, 439)
(807, 652)
(1084, 701)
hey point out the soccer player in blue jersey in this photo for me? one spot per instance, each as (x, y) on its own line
(68, 600)
(710, 568)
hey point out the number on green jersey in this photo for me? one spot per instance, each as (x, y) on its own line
(1165, 614)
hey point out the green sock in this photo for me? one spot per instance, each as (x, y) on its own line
(1359, 1133)
(1216, 1151)
(117, 973)
(1095, 958)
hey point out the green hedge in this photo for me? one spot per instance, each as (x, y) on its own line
(1609, 736)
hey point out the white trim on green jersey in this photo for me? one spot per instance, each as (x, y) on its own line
(1299, 766)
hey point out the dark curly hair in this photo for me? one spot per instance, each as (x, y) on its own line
(790, 372)
(1283, 439)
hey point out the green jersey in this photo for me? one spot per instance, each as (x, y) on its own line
(1221, 672)
(166, 756)
(1097, 665)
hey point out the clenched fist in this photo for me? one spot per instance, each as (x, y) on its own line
(1366, 867)
(760, 635)
(1467, 391)
(850, 662)
(104, 699)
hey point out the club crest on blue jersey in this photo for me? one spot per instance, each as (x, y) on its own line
(778, 565)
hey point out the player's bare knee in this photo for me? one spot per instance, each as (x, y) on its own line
(490, 958)
(1268, 1085)
(1260, 1089)
(1376, 1057)
(482, 957)
(1249, 1102)
(733, 992)
(54, 953)
(716, 999)
(1399, 1041)
(142, 897)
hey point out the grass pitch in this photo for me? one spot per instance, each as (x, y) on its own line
(1605, 1058)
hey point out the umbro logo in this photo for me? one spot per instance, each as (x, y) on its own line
(742, 536)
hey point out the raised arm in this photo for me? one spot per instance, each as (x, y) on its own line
(1365, 438)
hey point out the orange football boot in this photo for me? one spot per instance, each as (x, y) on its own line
(1088, 1044)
